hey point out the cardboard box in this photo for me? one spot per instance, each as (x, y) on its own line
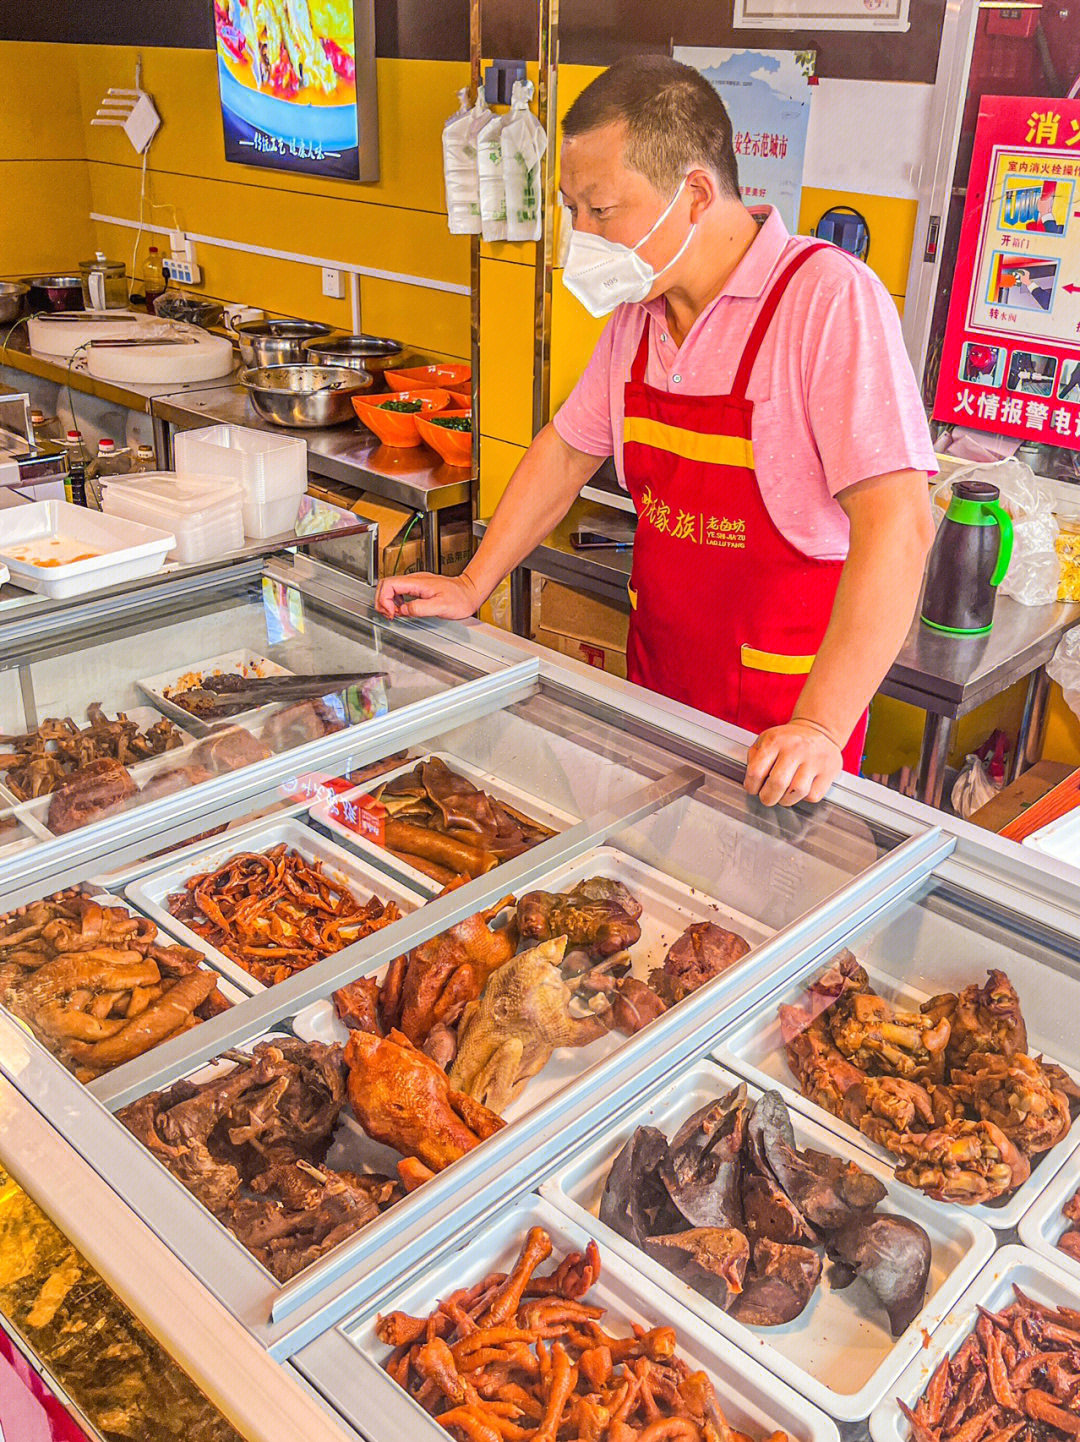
(401, 544)
(580, 626)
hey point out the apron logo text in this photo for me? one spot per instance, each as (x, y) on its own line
(701, 530)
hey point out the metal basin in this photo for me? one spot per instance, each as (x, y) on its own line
(307, 396)
(277, 342)
(11, 298)
(360, 352)
(55, 292)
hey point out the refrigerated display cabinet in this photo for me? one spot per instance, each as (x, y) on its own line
(634, 789)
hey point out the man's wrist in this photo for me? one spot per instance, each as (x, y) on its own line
(480, 592)
(827, 731)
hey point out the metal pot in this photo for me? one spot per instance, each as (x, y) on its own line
(55, 292)
(304, 395)
(277, 342)
(11, 297)
(371, 353)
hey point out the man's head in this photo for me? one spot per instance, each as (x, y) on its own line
(631, 139)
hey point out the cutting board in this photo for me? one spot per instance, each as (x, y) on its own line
(165, 352)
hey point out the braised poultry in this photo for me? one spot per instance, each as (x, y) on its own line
(599, 916)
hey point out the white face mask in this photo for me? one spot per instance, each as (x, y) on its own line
(603, 274)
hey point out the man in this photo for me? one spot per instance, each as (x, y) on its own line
(755, 393)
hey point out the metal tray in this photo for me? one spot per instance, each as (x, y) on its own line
(754, 1049)
(839, 1353)
(332, 815)
(669, 908)
(992, 1288)
(247, 663)
(751, 1399)
(151, 891)
(1043, 1224)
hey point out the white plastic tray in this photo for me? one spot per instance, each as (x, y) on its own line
(1042, 1226)
(1059, 838)
(329, 814)
(668, 908)
(754, 1049)
(246, 663)
(840, 1352)
(751, 1399)
(204, 514)
(125, 550)
(992, 1288)
(151, 892)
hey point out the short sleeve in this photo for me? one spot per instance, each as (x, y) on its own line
(584, 419)
(862, 398)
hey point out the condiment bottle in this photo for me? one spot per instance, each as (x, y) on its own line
(110, 460)
(153, 278)
(144, 460)
(75, 483)
(40, 427)
(968, 561)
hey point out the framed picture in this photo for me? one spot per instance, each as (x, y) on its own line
(821, 14)
(297, 84)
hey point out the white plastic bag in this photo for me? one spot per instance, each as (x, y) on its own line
(459, 164)
(489, 168)
(1034, 571)
(1064, 668)
(982, 775)
(524, 141)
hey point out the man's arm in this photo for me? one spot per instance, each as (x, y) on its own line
(891, 532)
(542, 489)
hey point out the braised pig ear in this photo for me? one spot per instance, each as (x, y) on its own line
(780, 1284)
(712, 1260)
(892, 1256)
(702, 1169)
(634, 1196)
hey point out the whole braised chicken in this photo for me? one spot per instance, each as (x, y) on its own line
(404, 1099)
(522, 1016)
(599, 916)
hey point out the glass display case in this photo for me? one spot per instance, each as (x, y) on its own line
(383, 960)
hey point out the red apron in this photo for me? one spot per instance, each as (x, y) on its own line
(727, 615)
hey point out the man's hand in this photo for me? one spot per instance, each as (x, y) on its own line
(792, 763)
(451, 598)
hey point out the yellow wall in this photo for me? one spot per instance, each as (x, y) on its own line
(44, 218)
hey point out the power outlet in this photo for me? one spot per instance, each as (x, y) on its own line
(333, 282)
(184, 272)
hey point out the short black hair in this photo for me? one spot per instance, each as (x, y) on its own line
(674, 120)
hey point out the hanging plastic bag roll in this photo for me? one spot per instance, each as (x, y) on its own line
(489, 169)
(524, 141)
(459, 164)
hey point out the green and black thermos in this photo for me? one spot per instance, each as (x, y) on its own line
(970, 556)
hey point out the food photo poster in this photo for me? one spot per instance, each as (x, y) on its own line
(297, 85)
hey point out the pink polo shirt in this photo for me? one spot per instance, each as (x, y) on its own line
(835, 399)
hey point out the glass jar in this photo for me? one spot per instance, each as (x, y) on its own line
(1067, 546)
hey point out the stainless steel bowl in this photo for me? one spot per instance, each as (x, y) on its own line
(11, 298)
(55, 292)
(304, 395)
(360, 352)
(277, 342)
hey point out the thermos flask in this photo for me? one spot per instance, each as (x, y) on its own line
(968, 561)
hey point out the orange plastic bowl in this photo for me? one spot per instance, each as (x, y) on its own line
(398, 428)
(455, 447)
(450, 377)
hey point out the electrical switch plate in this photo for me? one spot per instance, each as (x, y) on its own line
(182, 271)
(333, 282)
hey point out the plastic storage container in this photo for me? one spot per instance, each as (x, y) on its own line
(204, 515)
(272, 471)
(81, 550)
(1067, 545)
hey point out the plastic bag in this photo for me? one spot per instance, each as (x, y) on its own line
(489, 168)
(524, 141)
(981, 777)
(1034, 571)
(459, 164)
(1064, 668)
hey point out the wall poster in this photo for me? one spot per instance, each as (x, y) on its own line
(1010, 362)
(767, 95)
(297, 83)
(821, 15)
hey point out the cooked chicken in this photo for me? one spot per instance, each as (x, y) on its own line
(599, 916)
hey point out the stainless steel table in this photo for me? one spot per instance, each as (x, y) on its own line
(948, 676)
(945, 676)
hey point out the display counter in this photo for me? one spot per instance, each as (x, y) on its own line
(568, 777)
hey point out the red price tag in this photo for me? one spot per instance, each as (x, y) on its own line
(371, 820)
